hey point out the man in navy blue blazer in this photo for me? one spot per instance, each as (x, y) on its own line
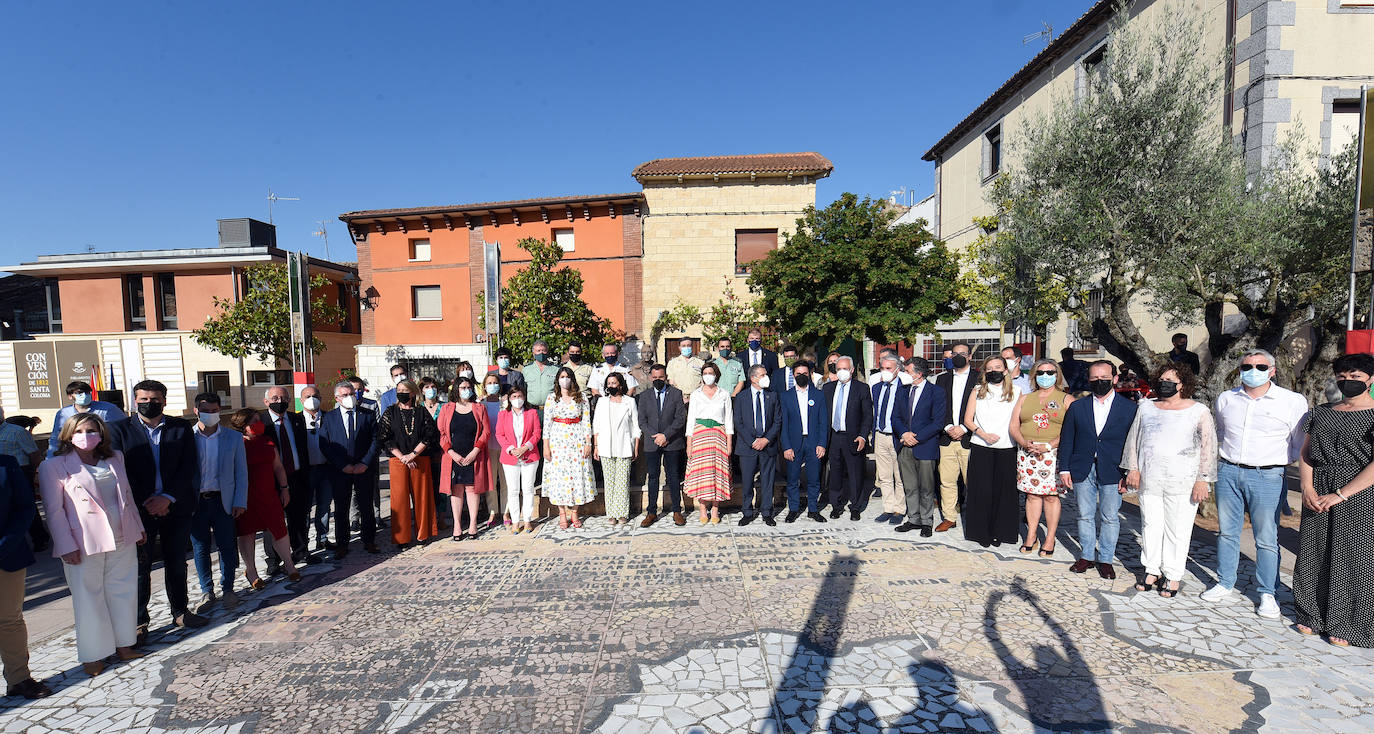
(757, 426)
(805, 434)
(782, 379)
(347, 442)
(918, 419)
(849, 406)
(16, 514)
(1090, 447)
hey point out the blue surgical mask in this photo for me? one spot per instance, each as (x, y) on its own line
(1254, 378)
(503, 362)
(1045, 380)
(686, 351)
(430, 393)
(755, 344)
(82, 398)
(465, 393)
(725, 353)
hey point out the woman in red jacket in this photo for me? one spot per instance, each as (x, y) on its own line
(463, 433)
(517, 433)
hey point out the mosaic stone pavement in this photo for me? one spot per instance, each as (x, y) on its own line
(843, 627)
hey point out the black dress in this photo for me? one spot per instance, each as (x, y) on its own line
(1333, 579)
(462, 431)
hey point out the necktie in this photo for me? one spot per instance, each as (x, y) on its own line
(791, 383)
(285, 448)
(882, 407)
(352, 426)
(660, 401)
(915, 398)
(758, 413)
(839, 408)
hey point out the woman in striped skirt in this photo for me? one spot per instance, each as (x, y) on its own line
(710, 430)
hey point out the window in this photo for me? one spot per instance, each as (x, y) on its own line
(54, 306)
(1092, 71)
(1078, 327)
(261, 378)
(992, 152)
(1345, 124)
(752, 245)
(425, 302)
(564, 238)
(167, 297)
(979, 350)
(419, 251)
(134, 307)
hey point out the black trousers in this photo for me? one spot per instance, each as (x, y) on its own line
(319, 478)
(297, 517)
(846, 470)
(171, 533)
(764, 466)
(673, 462)
(992, 509)
(360, 490)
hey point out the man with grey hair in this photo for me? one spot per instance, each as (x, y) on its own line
(850, 407)
(539, 374)
(888, 481)
(918, 421)
(1259, 433)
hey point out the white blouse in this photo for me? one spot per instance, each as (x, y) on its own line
(108, 487)
(993, 415)
(616, 427)
(707, 408)
(1171, 449)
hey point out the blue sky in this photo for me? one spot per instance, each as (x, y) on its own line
(137, 125)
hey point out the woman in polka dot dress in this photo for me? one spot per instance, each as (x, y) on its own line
(1040, 418)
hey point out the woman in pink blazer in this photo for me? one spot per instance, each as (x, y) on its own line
(463, 433)
(95, 527)
(519, 456)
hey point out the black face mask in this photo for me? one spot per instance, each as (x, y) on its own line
(1351, 388)
(277, 406)
(150, 409)
(614, 389)
(959, 361)
(1166, 388)
(404, 398)
(659, 384)
(803, 379)
(1100, 388)
(831, 368)
(994, 378)
(575, 358)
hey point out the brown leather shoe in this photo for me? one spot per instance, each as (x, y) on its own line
(1081, 565)
(1106, 571)
(648, 520)
(678, 519)
(945, 526)
(94, 669)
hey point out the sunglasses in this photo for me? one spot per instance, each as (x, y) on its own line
(1046, 372)
(1260, 367)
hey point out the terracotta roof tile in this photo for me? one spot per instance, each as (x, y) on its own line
(490, 205)
(735, 164)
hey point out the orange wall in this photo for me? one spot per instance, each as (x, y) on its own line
(91, 303)
(394, 324)
(392, 250)
(599, 237)
(196, 293)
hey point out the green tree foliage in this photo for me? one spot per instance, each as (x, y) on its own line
(730, 317)
(846, 272)
(258, 325)
(544, 301)
(1030, 295)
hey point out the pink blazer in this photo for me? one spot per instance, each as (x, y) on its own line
(77, 517)
(505, 435)
(481, 475)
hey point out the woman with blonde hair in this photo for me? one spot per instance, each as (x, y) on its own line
(95, 527)
(1038, 420)
(990, 506)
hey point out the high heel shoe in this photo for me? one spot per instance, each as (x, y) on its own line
(94, 669)
(293, 576)
(256, 584)
(577, 523)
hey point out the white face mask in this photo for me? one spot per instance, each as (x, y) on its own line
(208, 419)
(311, 403)
(905, 378)
(764, 382)
(565, 382)
(348, 401)
(466, 373)
(397, 379)
(708, 378)
(843, 374)
(517, 403)
(886, 376)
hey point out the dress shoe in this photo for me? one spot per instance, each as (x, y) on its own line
(1081, 565)
(29, 688)
(906, 527)
(818, 517)
(883, 517)
(944, 526)
(205, 603)
(229, 600)
(792, 516)
(372, 548)
(294, 576)
(854, 515)
(340, 554)
(925, 531)
(648, 520)
(190, 620)
(835, 513)
(1106, 571)
(745, 520)
(141, 635)
(678, 519)
(896, 520)
(769, 521)
(128, 653)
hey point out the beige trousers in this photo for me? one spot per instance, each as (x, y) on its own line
(889, 479)
(14, 634)
(953, 464)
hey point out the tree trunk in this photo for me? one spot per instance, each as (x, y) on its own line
(1117, 332)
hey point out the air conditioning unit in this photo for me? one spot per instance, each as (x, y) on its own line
(246, 232)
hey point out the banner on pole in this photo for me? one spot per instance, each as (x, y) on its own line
(298, 298)
(492, 284)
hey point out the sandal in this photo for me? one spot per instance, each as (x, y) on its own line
(1047, 552)
(1167, 592)
(563, 523)
(577, 523)
(1337, 641)
(1304, 629)
(1145, 584)
(1028, 548)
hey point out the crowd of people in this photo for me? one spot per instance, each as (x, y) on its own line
(1016, 435)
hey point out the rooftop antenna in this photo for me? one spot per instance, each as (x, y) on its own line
(272, 198)
(1047, 34)
(90, 247)
(323, 234)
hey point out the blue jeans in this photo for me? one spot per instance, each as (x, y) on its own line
(1259, 492)
(211, 517)
(1099, 517)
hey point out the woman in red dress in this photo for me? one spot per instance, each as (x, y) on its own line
(267, 495)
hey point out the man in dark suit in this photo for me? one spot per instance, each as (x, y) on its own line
(346, 439)
(17, 511)
(957, 384)
(849, 405)
(805, 434)
(286, 428)
(782, 379)
(757, 426)
(1090, 448)
(1181, 354)
(164, 474)
(663, 423)
(917, 422)
(754, 353)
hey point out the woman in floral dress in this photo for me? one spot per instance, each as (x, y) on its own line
(1039, 419)
(567, 433)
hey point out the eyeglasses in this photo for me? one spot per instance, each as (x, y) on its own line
(1046, 372)
(1260, 367)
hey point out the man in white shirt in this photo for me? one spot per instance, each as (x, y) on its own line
(1018, 378)
(756, 444)
(1259, 433)
(610, 362)
(223, 496)
(286, 429)
(888, 480)
(318, 474)
(80, 394)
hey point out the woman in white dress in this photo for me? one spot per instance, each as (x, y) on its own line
(615, 429)
(567, 433)
(710, 432)
(991, 510)
(1171, 458)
